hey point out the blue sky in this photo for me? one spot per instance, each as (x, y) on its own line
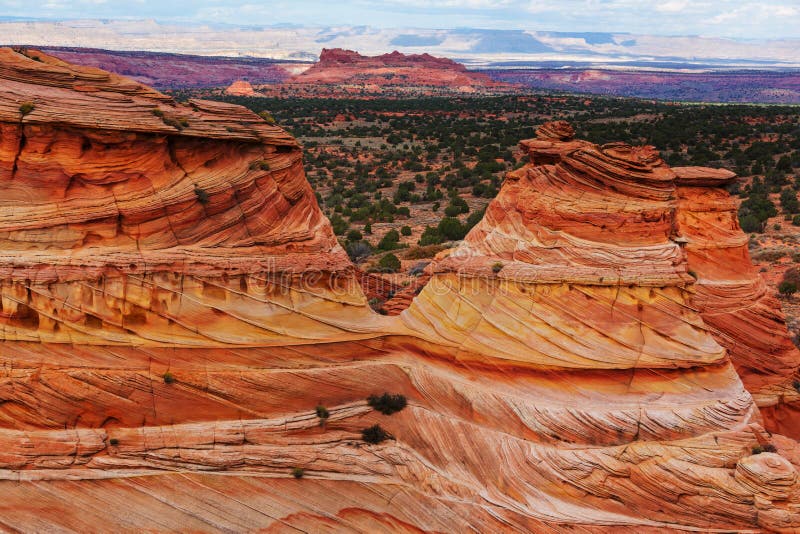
(722, 18)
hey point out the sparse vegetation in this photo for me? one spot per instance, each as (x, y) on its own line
(375, 434)
(202, 195)
(387, 404)
(298, 472)
(787, 288)
(389, 263)
(169, 378)
(260, 165)
(26, 107)
(267, 116)
(497, 267)
(758, 449)
(178, 123)
(113, 442)
(322, 412)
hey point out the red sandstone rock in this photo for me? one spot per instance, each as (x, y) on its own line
(241, 88)
(174, 304)
(345, 67)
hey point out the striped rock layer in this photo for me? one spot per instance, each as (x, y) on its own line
(175, 307)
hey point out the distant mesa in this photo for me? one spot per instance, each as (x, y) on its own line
(347, 67)
(241, 88)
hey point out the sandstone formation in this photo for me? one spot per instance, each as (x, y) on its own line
(128, 219)
(240, 88)
(175, 307)
(734, 301)
(346, 67)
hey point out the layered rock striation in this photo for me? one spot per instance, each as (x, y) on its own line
(175, 308)
(128, 219)
(241, 88)
(735, 302)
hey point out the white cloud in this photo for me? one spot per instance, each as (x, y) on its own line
(673, 6)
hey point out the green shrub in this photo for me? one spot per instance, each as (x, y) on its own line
(169, 378)
(389, 264)
(389, 241)
(354, 235)
(497, 267)
(267, 116)
(26, 108)
(405, 231)
(789, 201)
(322, 412)
(375, 434)
(339, 225)
(430, 236)
(451, 229)
(298, 472)
(750, 223)
(387, 404)
(113, 442)
(787, 288)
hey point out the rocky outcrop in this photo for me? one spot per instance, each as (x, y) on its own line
(127, 219)
(241, 88)
(734, 301)
(346, 67)
(186, 346)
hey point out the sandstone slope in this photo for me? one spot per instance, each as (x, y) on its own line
(175, 308)
(126, 218)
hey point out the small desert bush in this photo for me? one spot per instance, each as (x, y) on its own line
(375, 434)
(26, 107)
(387, 404)
(769, 447)
(202, 195)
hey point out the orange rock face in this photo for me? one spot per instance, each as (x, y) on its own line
(734, 301)
(240, 88)
(338, 67)
(175, 307)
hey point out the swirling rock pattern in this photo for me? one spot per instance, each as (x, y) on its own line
(744, 315)
(170, 224)
(175, 306)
